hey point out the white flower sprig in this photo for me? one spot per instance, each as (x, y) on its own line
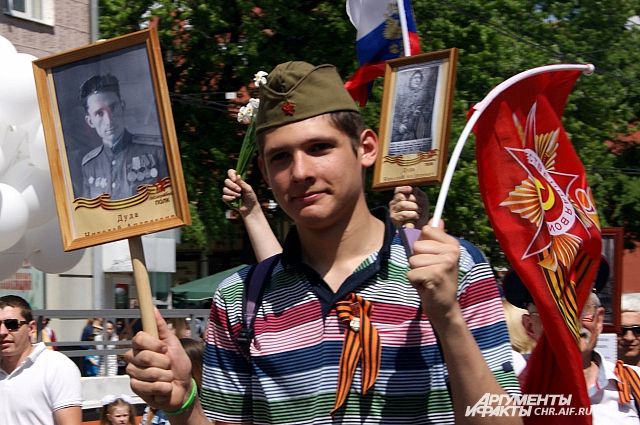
(260, 78)
(247, 115)
(247, 112)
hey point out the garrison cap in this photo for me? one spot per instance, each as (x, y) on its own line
(297, 90)
(517, 294)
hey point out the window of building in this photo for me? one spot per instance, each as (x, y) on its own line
(41, 11)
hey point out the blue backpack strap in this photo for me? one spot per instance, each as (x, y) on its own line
(474, 251)
(254, 285)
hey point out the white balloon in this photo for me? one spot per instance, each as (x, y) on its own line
(15, 142)
(6, 48)
(4, 129)
(19, 102)
(16, 173)
(38, 150)
(14, 216)
(3, 161)
(37, 191)
(45, 246)
(35, 187)
(13, 138)
(11, 259)
(32, 126)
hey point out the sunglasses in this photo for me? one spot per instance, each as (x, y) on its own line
(624, 329)
(13, 324)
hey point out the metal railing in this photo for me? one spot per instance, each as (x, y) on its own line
(78, 348)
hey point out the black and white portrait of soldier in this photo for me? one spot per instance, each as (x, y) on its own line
(124, 160)
(110, 124)
(413, 111)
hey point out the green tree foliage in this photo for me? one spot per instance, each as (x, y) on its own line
(216, 46)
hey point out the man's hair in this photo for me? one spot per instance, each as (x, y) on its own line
(98, 84)
(195, 351)
(631, 302)
(17, 302)
(417, 72)
(594, 299)
(348, 122)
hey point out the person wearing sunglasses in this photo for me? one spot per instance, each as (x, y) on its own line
(37, 386)
(600, 374)
(629, 334)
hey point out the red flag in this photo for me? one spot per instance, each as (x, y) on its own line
(541, 209)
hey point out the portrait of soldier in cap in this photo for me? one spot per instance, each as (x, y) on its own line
(124, 160)
(415, 97)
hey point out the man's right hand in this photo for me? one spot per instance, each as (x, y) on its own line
(160, 369)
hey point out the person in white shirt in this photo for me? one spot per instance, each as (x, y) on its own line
(108, 364)
(600, 377)
(629, 334)
(37, 386)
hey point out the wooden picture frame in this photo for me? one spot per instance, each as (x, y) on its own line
(111, 142)
(415, 120)
(611, 294)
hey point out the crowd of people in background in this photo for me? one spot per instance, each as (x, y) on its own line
(97, 329)
(100, 365)
(43, 386)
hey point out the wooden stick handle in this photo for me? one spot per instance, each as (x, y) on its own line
(141, 277)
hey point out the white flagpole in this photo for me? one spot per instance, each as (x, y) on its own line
(403, 27)
(478, 110)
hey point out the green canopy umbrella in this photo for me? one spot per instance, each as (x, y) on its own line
(192, 293)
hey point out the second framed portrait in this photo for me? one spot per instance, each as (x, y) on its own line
(415, 119)
(111, 142)
(611, 293)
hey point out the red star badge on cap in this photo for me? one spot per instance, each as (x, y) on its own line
(289, 108)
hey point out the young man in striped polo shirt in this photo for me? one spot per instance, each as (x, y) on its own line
(348, 330)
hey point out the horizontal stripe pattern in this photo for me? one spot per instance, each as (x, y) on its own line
(296, 351)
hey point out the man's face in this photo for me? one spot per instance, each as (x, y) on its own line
(313, 171)
(591, 321)
(532, 323)
(629, 342)
(14, 343)
(416, 81)
(105, 114)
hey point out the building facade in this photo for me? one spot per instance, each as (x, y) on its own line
(45, 27)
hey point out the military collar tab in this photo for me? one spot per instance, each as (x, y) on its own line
(120, 144)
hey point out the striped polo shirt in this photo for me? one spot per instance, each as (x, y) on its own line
(295, 353)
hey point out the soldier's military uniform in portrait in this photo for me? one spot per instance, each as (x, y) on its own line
(134, 160)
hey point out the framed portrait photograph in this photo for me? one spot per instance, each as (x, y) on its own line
(111, 141)
(415, 119)
(610, 295)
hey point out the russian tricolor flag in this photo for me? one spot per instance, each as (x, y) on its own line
(379, 39)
